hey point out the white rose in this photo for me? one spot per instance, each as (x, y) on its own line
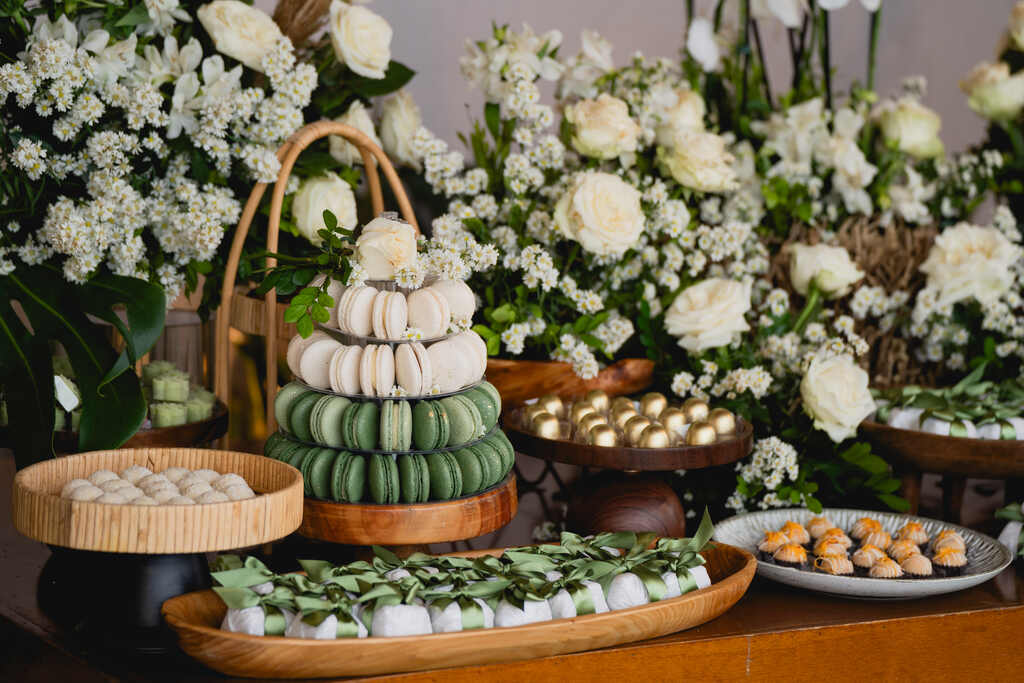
(914, 127)
(970, 261)
(702, 44)
(239, 31)
(789, 12)
(400, 119)
(700, 161)
(357, 117)
(603, 129)
(361, 39)
(835, 393)
(315, 195)
(831, 267)
(1016, 27)
(687, 113)
(707, 314)
(602, 212)
(993, 93)
(385, 246)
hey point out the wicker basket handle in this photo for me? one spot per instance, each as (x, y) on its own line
(373, 156)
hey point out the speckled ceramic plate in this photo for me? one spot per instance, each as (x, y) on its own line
(986, 557)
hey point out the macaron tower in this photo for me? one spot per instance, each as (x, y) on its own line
(390, 406)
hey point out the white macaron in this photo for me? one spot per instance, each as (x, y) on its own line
(297, 346)
(460, 297)
(345, 370)
(384, 376)
(447, 365)
(368, 369)
(355, 313)
(412, 369)
(390, 315)
(429, 312)
(479, 347)
(316, 363)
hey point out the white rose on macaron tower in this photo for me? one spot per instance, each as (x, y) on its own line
(361, 39)
(602, 212)
(836, 395)
(970, 261)
(315, 195)
(709, 313)
(385, 246)
(239, 31)
(602, 127)
(830, 267)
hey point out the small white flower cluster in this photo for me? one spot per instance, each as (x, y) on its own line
(961, 179)
(571, 349)
(770, 464)
(614, 332)
(873, 301)
(587, 301)
(756, 380)
(791, 353)
(514, 337)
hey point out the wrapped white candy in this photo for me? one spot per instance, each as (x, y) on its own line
(449, 619)
(72, 485)
(397, 574)
(934, 425)
(671, 579)
(905, 418)
(326, 630)
(1010, 536)
(400, 620)
(562, 606)
(533, 611)
(994, 430)
(248, 620)
(626, 590)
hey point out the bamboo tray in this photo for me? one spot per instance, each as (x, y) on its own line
(630, 458)
(927, 452)
(40, 513)
(196, 618)
(181, 436)
(437, 522)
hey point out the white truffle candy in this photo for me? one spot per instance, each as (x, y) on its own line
(130, 493)
(100, 476)
(212, 496)
(208, 476)
(187, 480)
(113, 485)
(144, 500)
(135, 473)
(196, 489)
(397, 574)
(449, 619)
(226, 481)
(401, 620)
(150, 480)
(326, 630)
(240, 492)
(86, 493)
(162, 496)
(181, 500)
(934, 425)
(111, 498)
(701, 575)
(533, 611)
(152, 489)
(173, 474)
(562, 606)
(625, 591)
(249, 620)
(905, 418)
(72, 485)
(994, 430)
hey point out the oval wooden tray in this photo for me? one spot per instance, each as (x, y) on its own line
(40, 513)
(196, 618)
(438, 522)
(630, 458)
(520, 380)
(180, 436)
(986, 458)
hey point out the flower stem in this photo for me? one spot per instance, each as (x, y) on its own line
(811, 308)
(764, 63)
(876, 23)
(745, 51)
(689, 13)
(826, 58)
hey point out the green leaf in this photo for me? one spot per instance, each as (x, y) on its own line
(304, 326)
(894, 502)
(503, 314)
(330, 220)
(492, 115)
(26, 373)
(493, 345)
(319, 313)
(138, 15)
(396, 76)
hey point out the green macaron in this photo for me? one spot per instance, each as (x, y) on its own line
(320, 472)
(348, 478)
(360, 424)
(445, 476)
(487, 403)
(273, 443)
(413, 479)
(286, 450)
(395, 426)
(315, 454)
(430, 428)
(508, 453)
(325, 420)
(297, 457)
(472, 472)
(382, 476)
(286, 396)
(298, 417)
(463, 418)
(491, 459)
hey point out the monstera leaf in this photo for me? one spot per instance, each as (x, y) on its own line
(113, 407)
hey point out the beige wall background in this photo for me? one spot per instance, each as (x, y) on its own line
(939, 39)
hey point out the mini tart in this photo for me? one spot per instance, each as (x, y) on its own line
(916, 565)
(837, 534)
(949, 539)
(879, 538)
(791, 555)
(949, 560)
(901, 550)
(864, 526)
(772, 541)
(829, 546)
(913, 531)
(837, 565)
(885, 568)
(796, 533)
(867, 556)
(818, 526)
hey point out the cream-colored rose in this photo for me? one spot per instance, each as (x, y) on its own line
(357, 117)
(239, 30)
(603, 129)
(970, 261)
(1016, 26)
(993, 93)
(315, 195)
(836, 395)
(399, 121)
(700, 161)
(831, 267)
(361, 39)
(602, 212)
(385, 246)
(709, 313)
(687, 113)
(914, 127)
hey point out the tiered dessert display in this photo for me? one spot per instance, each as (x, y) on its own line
(380, 425)
(635, 440)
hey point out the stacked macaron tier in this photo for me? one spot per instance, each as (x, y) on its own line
(375, 311)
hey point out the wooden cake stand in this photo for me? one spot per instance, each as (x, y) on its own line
(114, 565)
(631, 493)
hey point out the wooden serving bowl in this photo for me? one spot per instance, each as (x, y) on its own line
(180, 436)
(40, 513)
(924, 452)
(196, 618)
(411, 524)
(519, 380)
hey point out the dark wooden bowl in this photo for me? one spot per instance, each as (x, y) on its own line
(631, 458)
(926, 452)
(519, 380)
(181, 436)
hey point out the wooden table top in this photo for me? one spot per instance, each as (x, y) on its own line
(773, 633)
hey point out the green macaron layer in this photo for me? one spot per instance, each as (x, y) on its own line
(348, 478)
(464, 419)
(325, 420)
(286, 396)
(298, 416)
(430, 428)
(445, 476)
(413, 479)
(360, 425)
(382, 477)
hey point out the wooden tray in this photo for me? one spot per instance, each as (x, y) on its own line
(181, 436)
(40, 513)
(985, 458)
(520, 380)
(439, 522)
(196, 618)
(630, 458)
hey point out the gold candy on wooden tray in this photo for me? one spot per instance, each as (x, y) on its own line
(552, 404)
(652, 404)
(621, 402)
(723, 421)
(695, 410)
(700, 433)
(673, 419)
(620, 418)
(598, 399)
(590, 421)
(633, 428)
(602, 435)
(529, 412)
(579, 411)
(546, 425)
(655, 436)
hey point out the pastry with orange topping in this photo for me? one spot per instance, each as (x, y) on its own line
(949, 561)
(796, 532)
(865, 557)
(886, 568)
(899, 550)
(916, 566)
(879, 538)
(791, 555)
(949, 538)
(836, 565)
(864, 526)
(772, 541)
(818, 526)
(829, 546)
(913, 531)
(838, 534)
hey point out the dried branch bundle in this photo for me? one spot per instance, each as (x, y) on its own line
(300, 19)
